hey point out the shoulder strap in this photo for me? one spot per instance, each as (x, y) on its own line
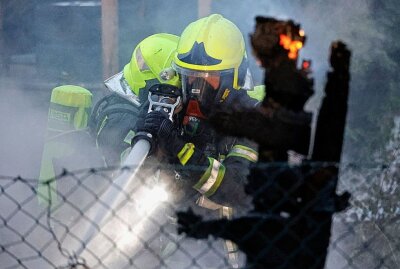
(107, 106)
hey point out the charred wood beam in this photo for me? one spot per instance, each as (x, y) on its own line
(332, 114)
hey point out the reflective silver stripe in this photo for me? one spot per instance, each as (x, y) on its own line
(212, 178)
(120, 86)
(230, 246)
(234, 259)
(295, 158)
(226, 212)
(207, 203)
(248, 153)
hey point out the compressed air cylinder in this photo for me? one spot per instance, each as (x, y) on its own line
(68, 144)
(69, 108)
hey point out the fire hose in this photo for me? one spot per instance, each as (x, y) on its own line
(164, 98)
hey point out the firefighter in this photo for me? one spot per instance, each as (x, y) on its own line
(211, 63)
(114, 116)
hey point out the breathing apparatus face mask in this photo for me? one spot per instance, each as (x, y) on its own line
(166, 99)
(201, 94)
(202, 91)
(202, 86)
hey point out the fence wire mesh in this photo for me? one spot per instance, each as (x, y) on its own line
(71, 222)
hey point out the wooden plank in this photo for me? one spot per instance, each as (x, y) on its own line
(3, 62)
(204, 8)
(109, 37)
(1, 15)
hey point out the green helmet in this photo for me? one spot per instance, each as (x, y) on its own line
(152, 55)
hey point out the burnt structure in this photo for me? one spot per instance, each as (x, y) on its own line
(290, 224)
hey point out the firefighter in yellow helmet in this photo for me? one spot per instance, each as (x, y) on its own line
(211, 63)
(114, 116)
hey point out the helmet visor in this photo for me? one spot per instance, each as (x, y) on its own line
(141, 63)
(203, 86)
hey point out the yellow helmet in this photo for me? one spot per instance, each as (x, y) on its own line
(211, 49)
(152, 55)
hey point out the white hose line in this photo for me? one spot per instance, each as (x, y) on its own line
(114, 195)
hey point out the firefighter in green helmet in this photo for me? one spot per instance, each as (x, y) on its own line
(114, 116)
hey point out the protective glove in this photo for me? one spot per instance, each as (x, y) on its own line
(168, 140)
(153, 121)
(147, 128)
(159, 131)
(189, 223)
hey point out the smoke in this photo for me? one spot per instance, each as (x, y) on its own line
(367, 27)
(66, 53)
(23, 117)
(65, 47)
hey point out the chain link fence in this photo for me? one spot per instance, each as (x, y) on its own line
(71, 222)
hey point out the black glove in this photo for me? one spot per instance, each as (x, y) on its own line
(168, 140)
(159, 130)
(171, 144)
(189, 223)
(152, 122)
(147, 127)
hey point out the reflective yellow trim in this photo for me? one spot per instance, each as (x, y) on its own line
(221, 157)
(103, 123)
(257, 93)
(129, 136)
(211, 179)
(186, 153)
(225, 95)
(244, 152)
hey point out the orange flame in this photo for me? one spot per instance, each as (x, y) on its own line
(292, 45)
